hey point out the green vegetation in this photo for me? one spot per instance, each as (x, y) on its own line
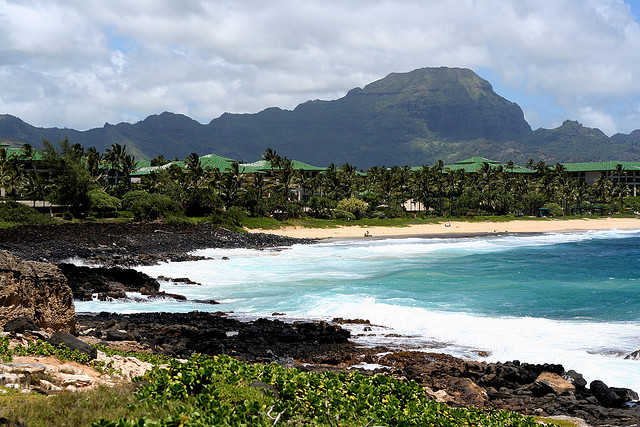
(82, 408)
(222, 391)
(219, 191)
(13, 213)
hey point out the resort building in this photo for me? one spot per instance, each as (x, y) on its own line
(267, 169)
(591, 171)
(475, 164)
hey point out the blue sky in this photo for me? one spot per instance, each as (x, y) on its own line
(79, 64)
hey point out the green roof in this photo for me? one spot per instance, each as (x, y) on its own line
(216, 162)
(475, 167)
(206, 161)
(263, 165)
(600, 166)
(142, 164)
(474, 164)
(16, 152)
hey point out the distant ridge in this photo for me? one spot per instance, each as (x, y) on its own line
(410, 118)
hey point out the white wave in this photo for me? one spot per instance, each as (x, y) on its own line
(594, 349)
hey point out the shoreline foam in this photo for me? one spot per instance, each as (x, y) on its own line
(458, 229)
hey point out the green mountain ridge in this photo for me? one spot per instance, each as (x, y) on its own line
(412, 118)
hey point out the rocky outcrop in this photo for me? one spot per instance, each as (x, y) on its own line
(182, 334)
(112, 282)
(127, 245)
(36, 290)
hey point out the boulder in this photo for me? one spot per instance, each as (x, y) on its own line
(36, 290)
(73, 343)
(20, 325)
(576, 379)
(612, 397)
(111, 282)
(548, 382)
(117, 335)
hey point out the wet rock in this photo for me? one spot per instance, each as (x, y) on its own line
(126, 245)
(635, 355)
(612, 397)
(182, 334)
(110, 282)
(576, 379)
(624, 395)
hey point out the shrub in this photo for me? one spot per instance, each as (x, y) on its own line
(17, 213)
(216, 391)
(231, 218)
(340, 214)
(101, 204)
(202, 202)
(554, 209)
(356, 207)
(148, 207)
(321, 207)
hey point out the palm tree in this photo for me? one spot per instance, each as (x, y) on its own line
(269, 154)
(35, 187)
(114, 156)
(619, 171)
(93, 162)
(235, 176)
(196, 172)
(331, 182)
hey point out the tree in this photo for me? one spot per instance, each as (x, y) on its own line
(354, 206)
(159, 161)
(93, 162)
(70, 180)
(102, 204)
(622, 187)
(35, 187)
(114, 156)
(232, 178)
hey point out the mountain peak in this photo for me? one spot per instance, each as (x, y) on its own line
(413, 118)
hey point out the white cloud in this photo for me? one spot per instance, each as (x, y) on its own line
(598, 119)
(78, 64)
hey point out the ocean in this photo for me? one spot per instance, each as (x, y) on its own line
(568, 298)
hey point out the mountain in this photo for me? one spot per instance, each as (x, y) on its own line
(410, 118)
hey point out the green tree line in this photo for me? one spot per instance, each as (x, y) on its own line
(87, 182)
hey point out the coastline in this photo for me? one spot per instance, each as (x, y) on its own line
(309, 345)
(458, 229)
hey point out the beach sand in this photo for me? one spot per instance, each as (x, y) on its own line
(460, 228)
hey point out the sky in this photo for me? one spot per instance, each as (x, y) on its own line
(79, 63)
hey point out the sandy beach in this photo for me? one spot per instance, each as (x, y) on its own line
(459, 228)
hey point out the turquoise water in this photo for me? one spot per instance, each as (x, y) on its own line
(571, 298)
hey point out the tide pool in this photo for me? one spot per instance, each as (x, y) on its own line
(569, 298)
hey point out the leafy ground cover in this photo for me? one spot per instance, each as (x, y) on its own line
(222, 391)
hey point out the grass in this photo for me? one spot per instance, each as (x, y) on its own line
(79, 408)
(555, 422)
(273, 224)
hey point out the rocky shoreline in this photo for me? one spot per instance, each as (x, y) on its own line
(126, 244)
(526, 388)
